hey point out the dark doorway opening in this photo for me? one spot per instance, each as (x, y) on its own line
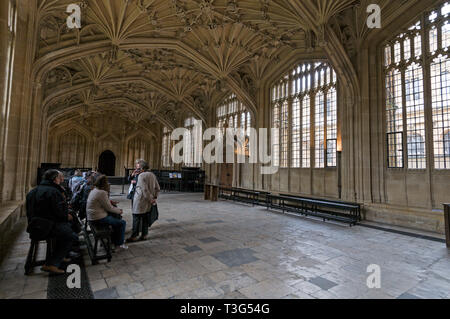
(107, 163)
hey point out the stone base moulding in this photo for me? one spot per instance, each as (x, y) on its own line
(413, 218)
(10, 215)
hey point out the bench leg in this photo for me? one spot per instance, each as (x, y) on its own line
(95, 247)
(108, 249)
(106, 242)
(30, 258)
(49, 249)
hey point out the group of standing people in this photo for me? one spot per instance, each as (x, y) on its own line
(50, 211)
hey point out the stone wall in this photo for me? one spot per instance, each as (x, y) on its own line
(30, 134)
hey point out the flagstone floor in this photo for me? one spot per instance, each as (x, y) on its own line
(201, 249)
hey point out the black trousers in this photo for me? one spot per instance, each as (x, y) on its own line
(64, 239)
(140, 224)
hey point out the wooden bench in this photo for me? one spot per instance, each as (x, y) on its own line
(239, 195)
(447, 224)
(101, 234)
(211, 192)
(262, 198)
(349, 213)
(349, 205)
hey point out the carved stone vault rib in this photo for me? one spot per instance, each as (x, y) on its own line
(176, 47)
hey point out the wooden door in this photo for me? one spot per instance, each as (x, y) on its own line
(226, 175)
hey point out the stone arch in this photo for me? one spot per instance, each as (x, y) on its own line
(126, 101)
(69, 147)
(137, 146)
(114, 81)
(59, 57)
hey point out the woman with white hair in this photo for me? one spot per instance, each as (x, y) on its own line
(146, 193)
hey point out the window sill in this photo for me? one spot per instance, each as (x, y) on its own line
(8, 208)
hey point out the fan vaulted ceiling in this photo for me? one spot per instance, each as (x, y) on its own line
(162, 60)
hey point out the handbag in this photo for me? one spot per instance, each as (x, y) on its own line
(40, 228)
(152, 215)
(130, 192)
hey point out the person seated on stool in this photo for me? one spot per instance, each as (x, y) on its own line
(50, 204)
(98, 206)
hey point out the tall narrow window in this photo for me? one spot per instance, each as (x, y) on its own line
(331, 127)
(296, 134)
(319, 131)
(194, 145)
(166, 148)
(276, 135)
(293, 96)
(280, 121)
(306, 132)
(440, 95)
(394, 118)
(284, 131)
(415, 117)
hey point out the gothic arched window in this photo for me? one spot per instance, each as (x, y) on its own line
(235, 112)
(421, 49)
(307, 92)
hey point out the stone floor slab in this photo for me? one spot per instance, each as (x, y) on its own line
(208, 240)
(191, 249)
(323, 283)
(201, 249)
(107, 293)
(236, 257)
(407, 295)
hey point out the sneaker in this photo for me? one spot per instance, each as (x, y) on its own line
(74, 255)
(122, 247)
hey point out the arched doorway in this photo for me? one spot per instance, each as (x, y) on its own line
(107, 163)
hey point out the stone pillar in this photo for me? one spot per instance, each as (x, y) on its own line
(5, 38)
(16, 144)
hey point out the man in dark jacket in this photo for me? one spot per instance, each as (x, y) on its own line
(48, 202)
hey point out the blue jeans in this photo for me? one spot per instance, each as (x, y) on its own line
(118, 225)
